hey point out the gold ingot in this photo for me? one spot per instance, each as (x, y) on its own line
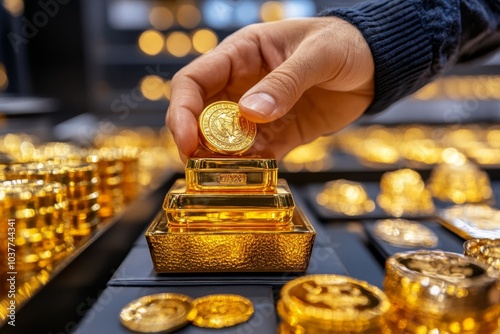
(484, 250)
(439, 289)
(405, 233)
(228, 208)
(162, 312)
(347, 197)
(224, 130)
(403, 192)
(472, 220)
(331, 304)
(219, 311)
(231, 174)
(256, 249)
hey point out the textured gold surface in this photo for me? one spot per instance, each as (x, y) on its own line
(347, 197)
(230, 251)
(332, 303)
(484, 250)
(231, 174)
(234, 208)
(219, 311)
(440, 290)
(162, 312)
(472, 220)
(224, 130)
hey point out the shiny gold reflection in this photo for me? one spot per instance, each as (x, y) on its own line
(166, 89)
(188, 16)
(161, 17)
(271, 11)
(14, 7)
(151, 42)
(152, 87)
(204, 40)
(4, 81)
(178, 44)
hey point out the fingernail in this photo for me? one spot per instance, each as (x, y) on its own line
(261, 103)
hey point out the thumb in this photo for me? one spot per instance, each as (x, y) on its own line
(274, 95)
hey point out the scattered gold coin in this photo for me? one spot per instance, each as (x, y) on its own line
(405, 233)
(218, 311)
(162, 312)
(224, 130)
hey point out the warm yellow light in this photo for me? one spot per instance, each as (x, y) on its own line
(151, 42)
(14, 7)
(204, 40)
(161, 17)
(166, 89)
(178, 44)
(152, 87)
(4, 81)
(271, 11)
(188, 16)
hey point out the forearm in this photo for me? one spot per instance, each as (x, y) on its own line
(413, 41)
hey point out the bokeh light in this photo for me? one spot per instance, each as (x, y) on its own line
(161, 17)
(247, 12)
(178, 44)
(151, 42)
(4, 80)
(272, 11)
(218, 13)
(188, 16)
(14, 7)
(204, 40)
(152, 87)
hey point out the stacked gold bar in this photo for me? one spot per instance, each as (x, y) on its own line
(230, 214)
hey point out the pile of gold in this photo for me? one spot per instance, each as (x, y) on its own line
(403, 192)
(440, 292)
(35, 226)
(168, 312)
(80, 181)
(332, 304)
(231, 213)
(314, 156)
(346, 197)
(484, 250)
(460, 183)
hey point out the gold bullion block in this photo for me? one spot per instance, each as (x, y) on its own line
(265, 208)
(179, 250)
(231, 174)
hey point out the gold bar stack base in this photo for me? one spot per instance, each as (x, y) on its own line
(183, 250)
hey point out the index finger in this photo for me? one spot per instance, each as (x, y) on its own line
(191, 87)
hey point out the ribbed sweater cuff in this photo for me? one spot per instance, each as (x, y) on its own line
(401, 50)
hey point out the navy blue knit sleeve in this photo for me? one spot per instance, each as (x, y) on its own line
(413, 41)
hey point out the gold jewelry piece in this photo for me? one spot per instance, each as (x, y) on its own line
(484, 250)
(403, 192)
(405, 233)
(163, 312)
(224, 130)
(330, 303)
(218, 311)
(440, 290)
(347, 197)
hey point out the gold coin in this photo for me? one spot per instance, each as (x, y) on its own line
(224, 130)
(332, 302)
(218, 311)
(405, 233)
(162, 312)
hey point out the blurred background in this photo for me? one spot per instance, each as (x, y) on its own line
(111, 61)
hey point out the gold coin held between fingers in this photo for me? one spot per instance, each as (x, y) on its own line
(224, 130)
(162, 312)
(218, 311)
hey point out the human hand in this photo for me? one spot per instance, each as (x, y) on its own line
(299, 79)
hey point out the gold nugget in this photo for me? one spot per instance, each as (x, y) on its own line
(162, 312)
(224, 130)
(218, 311)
